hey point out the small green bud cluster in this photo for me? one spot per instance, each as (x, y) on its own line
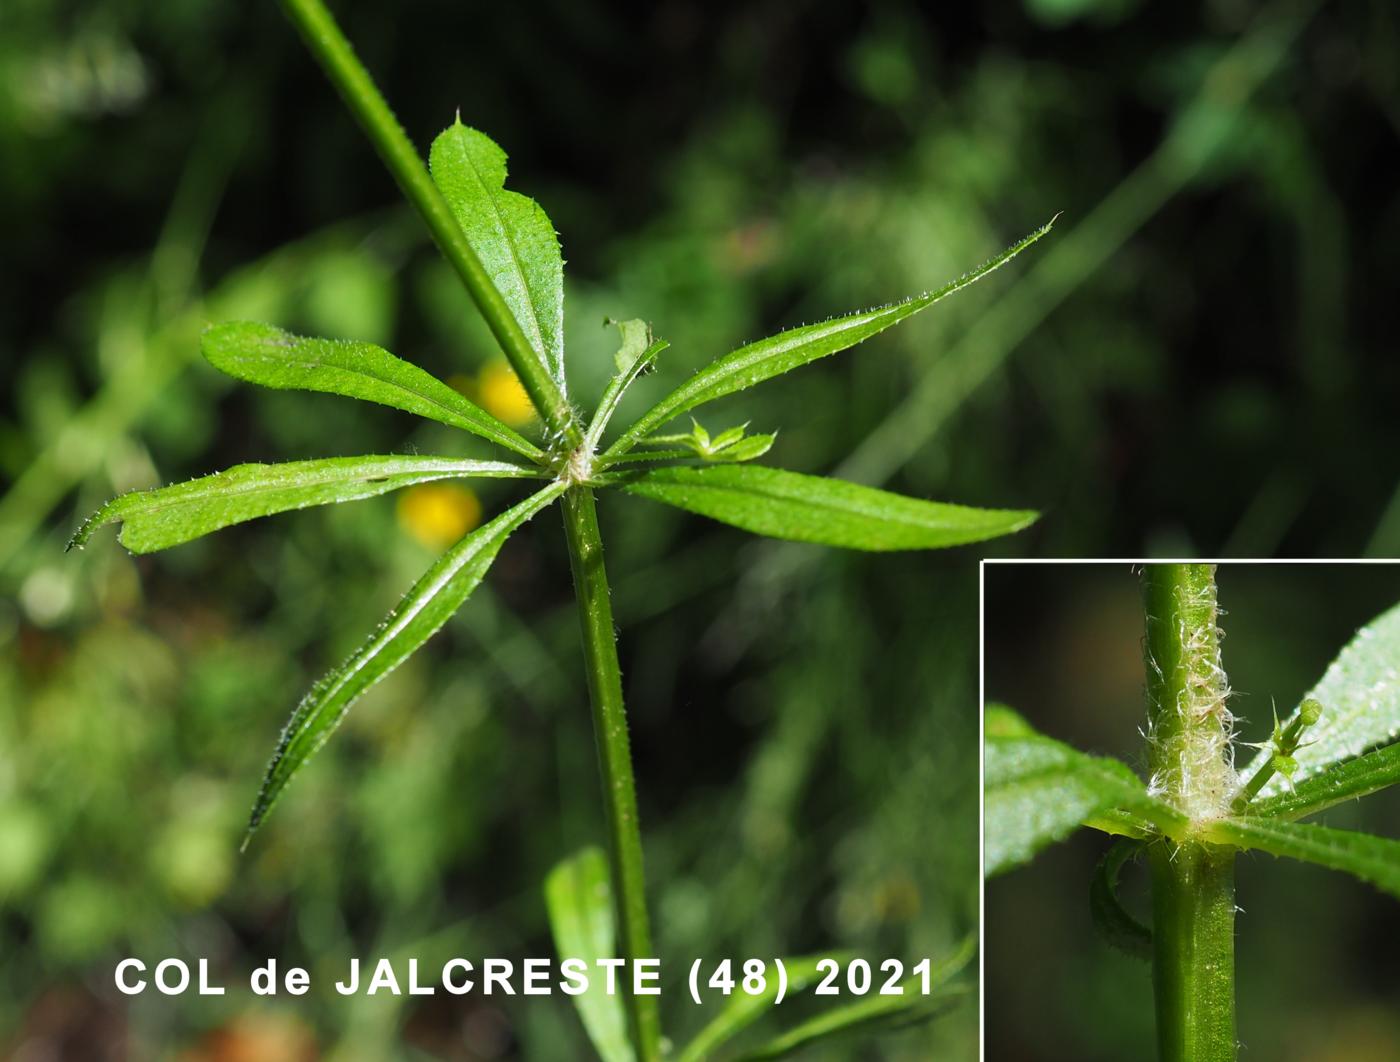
(1283, 745)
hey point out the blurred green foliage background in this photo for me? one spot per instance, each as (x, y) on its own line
(1315, 965)
(1199, 359)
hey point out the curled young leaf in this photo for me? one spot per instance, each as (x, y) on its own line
(266, 355)
(416, 618)
(756, 362)
(167, 516)
(1115, 922)
(510, 233)
(832, 512)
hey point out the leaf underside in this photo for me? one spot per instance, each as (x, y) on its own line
(1372, 859)
(1038, 791)
(167, 516)
(510, 233)
(832, 512)
(756, 362)
(418, 615)
(266, 355)
(578, 897)
(1360, 696)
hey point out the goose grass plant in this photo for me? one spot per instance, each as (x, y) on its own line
(505, 251)
(1197, 810)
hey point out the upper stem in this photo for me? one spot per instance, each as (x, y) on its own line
(1188, 721)
(1193, 892)
(614, 759)
(331, 49)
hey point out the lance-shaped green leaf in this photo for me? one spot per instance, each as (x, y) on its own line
(742, 1009)
(1344, 781)
(415, 619)
(1372, 859)
(832, 512)
(509, 232)
(578, 897)
(1360, 697)
(756, 362)
(167, 516)
(630, 364)
(1038, 791)
(266, 355)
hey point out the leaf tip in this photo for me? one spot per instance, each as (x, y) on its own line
(101, 517)
(255, 821)
(1014, 520)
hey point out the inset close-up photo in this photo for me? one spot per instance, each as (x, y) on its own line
(1191, 847)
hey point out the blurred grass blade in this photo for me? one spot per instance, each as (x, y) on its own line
(1372, 859)
(832, 512)
(167, 516)
(874, 1014)
(1038, 791)
(510, 233)
(1349, 780)
(578, 896)
(877, 1012)
(267, 355)
(1115, 922)
(417, 616)
(742, 1009)
(1360, 698)
(756, 362)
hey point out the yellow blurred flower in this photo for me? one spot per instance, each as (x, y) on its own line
(501, 395)
(438, 514)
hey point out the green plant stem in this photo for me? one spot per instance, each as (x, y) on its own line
(1193, 893)
(1193, 951)
(614, 758)
(1187, 716)
(333, 51)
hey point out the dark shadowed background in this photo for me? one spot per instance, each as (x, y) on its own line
(1200, 358)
